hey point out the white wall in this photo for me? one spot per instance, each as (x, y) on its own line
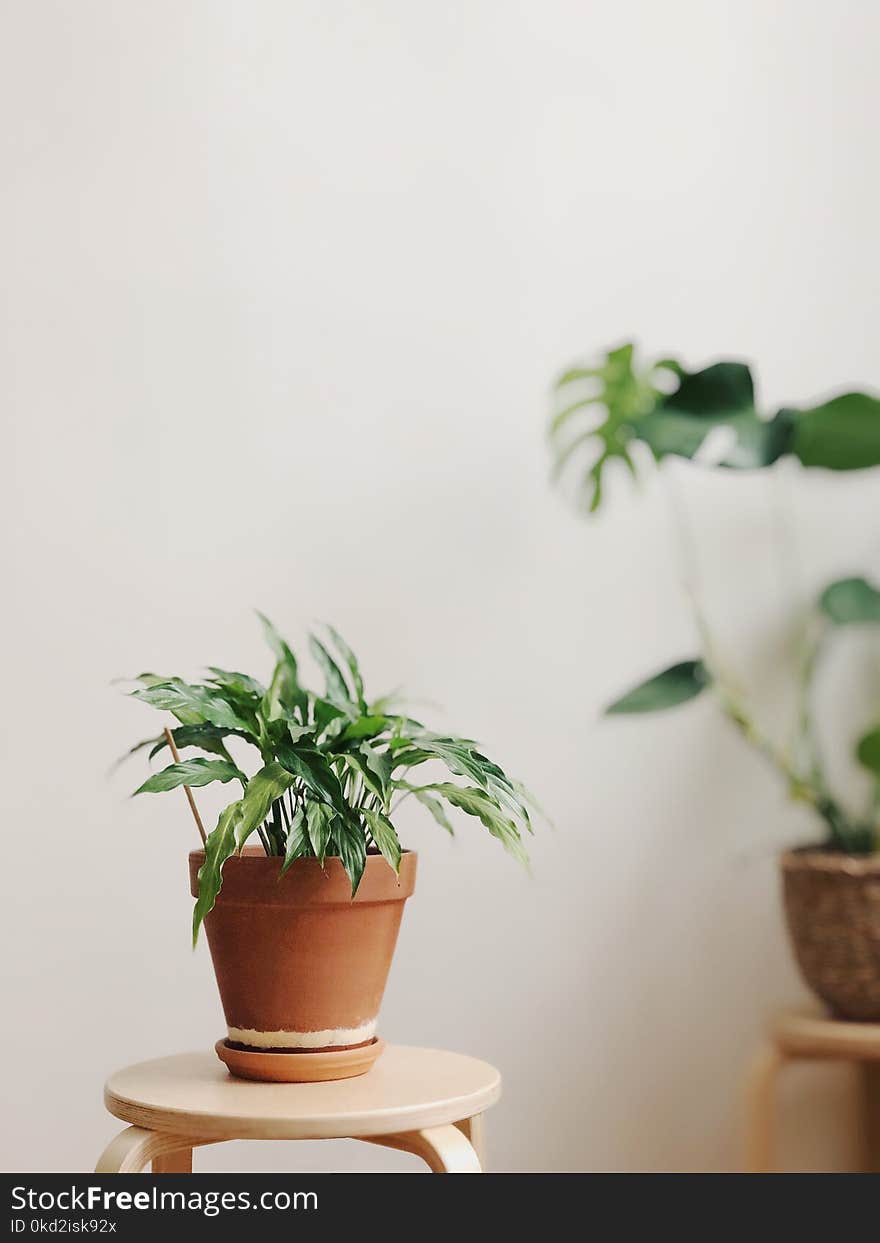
(284, 285)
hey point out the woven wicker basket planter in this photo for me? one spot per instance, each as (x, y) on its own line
(832, 905)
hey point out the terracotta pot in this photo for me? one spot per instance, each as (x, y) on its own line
(832, 905)
(301, 966)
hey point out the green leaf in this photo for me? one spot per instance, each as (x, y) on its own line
(350, 660)
(868, 751)
(219, 846)
(719, 396)
(314, 771)
(379, 764)
(669, 433)
(673, 686)
(262, 790)
(564, 416)
(454, 752)
(351, 845)
(241, 684)
(531, 802)
(779, 436)
(186, 716)
(476, 802)
(501, 787)
(435, 807)
(151, 679)
(575, 373)
(364, 727)
(336, 687)
(297, 840)
(206, 737)
(279, 646)
(723, 389)
(319, 818)
(285, 696)
(192, 705)
(461, 758)
(196, 772)
(358, 765)
(840, 434)
(384, 836)
(851, 601)
(329, 718)
(627, 394)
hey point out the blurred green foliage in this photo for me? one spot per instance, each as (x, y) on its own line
(602, 410)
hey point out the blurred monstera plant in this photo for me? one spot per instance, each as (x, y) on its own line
(605, 409)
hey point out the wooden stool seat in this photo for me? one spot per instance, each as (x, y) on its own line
(425, 1101)
(810, 1035)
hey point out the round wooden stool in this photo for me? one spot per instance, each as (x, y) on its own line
(425, 1101)
(808, 1035)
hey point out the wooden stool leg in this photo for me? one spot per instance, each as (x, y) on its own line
(761, 1110)
(475, 1130)
(179, 1162)
(134, 1148)
(446, 1149)
(870, 1117)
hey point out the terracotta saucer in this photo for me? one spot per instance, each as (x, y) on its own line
(299, 1067)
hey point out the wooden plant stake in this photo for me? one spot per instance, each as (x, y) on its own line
(169, 738)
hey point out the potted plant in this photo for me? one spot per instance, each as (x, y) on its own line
(302, 882)
(619, 409)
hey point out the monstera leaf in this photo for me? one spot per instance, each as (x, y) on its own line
(868, 751)
(598, 424)
(617, 402)
(719, 397)
(841, 434)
